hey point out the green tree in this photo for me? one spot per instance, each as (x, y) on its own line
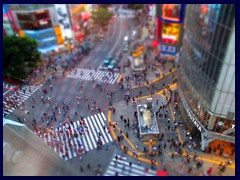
(104, 5)
(101, 17)
(19, 53)
(136, 6)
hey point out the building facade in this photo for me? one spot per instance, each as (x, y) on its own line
(48, 24)
(207, 73)
(169, 23)
(80, 17)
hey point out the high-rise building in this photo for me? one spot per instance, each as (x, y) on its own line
(48, 24)
(207, 73)
(80, 17)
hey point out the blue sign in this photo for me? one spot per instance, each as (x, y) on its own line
(5, 8)
(169, 49)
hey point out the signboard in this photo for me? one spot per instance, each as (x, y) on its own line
(170, 32)
(9, 14)
(171, 12)
(58, 33)
(63, 19)
(169, 49)
(190, 114)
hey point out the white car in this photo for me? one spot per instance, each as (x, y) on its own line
(126, 39)
(134, 33)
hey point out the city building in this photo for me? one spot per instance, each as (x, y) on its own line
(7, 22)
(169, 23)
(80, 17)
(47, 23)
(207, 72)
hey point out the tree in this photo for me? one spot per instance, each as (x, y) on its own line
(19, 53)
(104, 5)
(136, 6)
(101, 17)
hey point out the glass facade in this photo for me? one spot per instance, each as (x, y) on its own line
(207, 73)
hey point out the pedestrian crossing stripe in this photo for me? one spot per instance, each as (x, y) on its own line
(121, 166)
(22, 97)
(88, 140)
(92, 74)
(7, 86)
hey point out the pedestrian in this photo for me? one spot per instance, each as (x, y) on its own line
(121, 117)
(88, 166)
(107, 147)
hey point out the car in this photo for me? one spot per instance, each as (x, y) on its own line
(134, 33)
(126, 40)
(108, 60)
(126, 48)
(101, 37)
(118, 57)
(112, 64)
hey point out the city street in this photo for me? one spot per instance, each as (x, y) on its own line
(78, 114)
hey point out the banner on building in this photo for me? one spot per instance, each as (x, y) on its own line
(63, 19)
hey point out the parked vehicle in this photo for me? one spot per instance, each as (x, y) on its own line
(118, 57)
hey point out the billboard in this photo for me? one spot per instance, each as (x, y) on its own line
(171, 12)
(170, 32)
(63, 19)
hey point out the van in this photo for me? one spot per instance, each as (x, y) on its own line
(125, 39)
(134, 33)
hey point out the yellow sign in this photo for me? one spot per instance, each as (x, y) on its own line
(170, 31)
(136, 54)
(21, 33)
(59, 36)
(139, 51)
(78, 8)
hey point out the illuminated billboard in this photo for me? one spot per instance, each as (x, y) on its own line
(171, 12)
(170, 32)
(63, 19)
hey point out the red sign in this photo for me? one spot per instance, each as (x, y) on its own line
(12, 21)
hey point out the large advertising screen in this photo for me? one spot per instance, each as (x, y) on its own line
(170, 32)
(171, 12)
(63, 19)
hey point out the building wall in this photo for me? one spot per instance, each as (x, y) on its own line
(224, 97)
(207, 73)
(50, 37)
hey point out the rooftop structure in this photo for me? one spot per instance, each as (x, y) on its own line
(147, 119)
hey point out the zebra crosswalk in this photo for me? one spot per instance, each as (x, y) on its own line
(13, 100)
(7, 86)
(69, 138)
(122, 168)
(92, 74)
